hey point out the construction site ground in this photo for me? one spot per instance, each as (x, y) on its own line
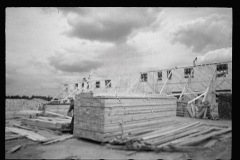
(86, 149)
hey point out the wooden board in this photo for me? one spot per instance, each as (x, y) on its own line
(56, 125)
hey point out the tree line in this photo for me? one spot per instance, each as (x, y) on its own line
(48, 98)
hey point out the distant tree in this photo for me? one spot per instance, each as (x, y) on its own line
(47, 98)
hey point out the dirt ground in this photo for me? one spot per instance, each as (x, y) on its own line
(78, 148)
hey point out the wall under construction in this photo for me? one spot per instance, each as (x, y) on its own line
(101, 118)
(164, 81)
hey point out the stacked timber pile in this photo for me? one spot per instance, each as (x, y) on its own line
(193, 110)
(28, 126)
(61, 109)
(101, 118)
(22, 104)
(12, 106)
(25, 137)
(48, 123)
(182, 109)
(225, 106)
(48, 120)
(184, 136)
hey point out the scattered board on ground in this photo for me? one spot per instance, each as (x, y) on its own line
(49, 123)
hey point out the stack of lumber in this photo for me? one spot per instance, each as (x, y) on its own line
(185, 110)
(14, 105)
(60, 109)
(34, 113)
(182, 109)
(186, 136)
(103, 117)
(21, 104)
(48, 123)
(225, 106)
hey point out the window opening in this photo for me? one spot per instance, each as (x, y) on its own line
(222, 70)
(144, 77)
(187, 72)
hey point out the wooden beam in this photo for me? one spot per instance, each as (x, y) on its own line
(165, 133)
(14, 149)
(31, 135)
(63, 138)
(195, 141)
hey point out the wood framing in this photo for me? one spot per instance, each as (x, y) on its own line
(181, 84)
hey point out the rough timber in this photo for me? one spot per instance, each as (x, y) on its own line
(101, 118)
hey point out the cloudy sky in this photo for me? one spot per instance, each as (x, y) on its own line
(46, 47)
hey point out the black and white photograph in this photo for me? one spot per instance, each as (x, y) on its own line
(118, 83)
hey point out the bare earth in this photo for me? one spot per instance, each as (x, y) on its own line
(86, 149)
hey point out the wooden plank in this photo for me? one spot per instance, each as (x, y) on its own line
(189, 111)
(62, 138)
(31, 135)
(139, 104)
(14, 149)
(124, 116)
(17, 125)
(193, 110)
(112, 128)
(28, 112)
(211, 143)
(153, 127)
(205, 113)
(223, 137)
(181, 148)
(15, 137)
(120, 110)
(178, 141)
(46, 124)
(54, 119)
(164, 133)
(56, 114)
(139, 128)
(101, 120)
(50, 139)
(164, 129)
(195, 141)
(174, 136)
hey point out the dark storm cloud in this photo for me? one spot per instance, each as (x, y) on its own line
(205, 34)
(109, 24)
(77, 10)
(79, 66)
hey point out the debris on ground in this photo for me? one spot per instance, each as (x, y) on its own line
(186, 137)
(30, 124)
(17, 147)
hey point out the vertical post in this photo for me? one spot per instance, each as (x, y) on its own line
(153, 84)
(55, 96)
(209, 85)
(188, 81)
(165, 82)
(132, 84)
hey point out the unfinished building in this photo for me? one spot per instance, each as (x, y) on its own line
(106, 108)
